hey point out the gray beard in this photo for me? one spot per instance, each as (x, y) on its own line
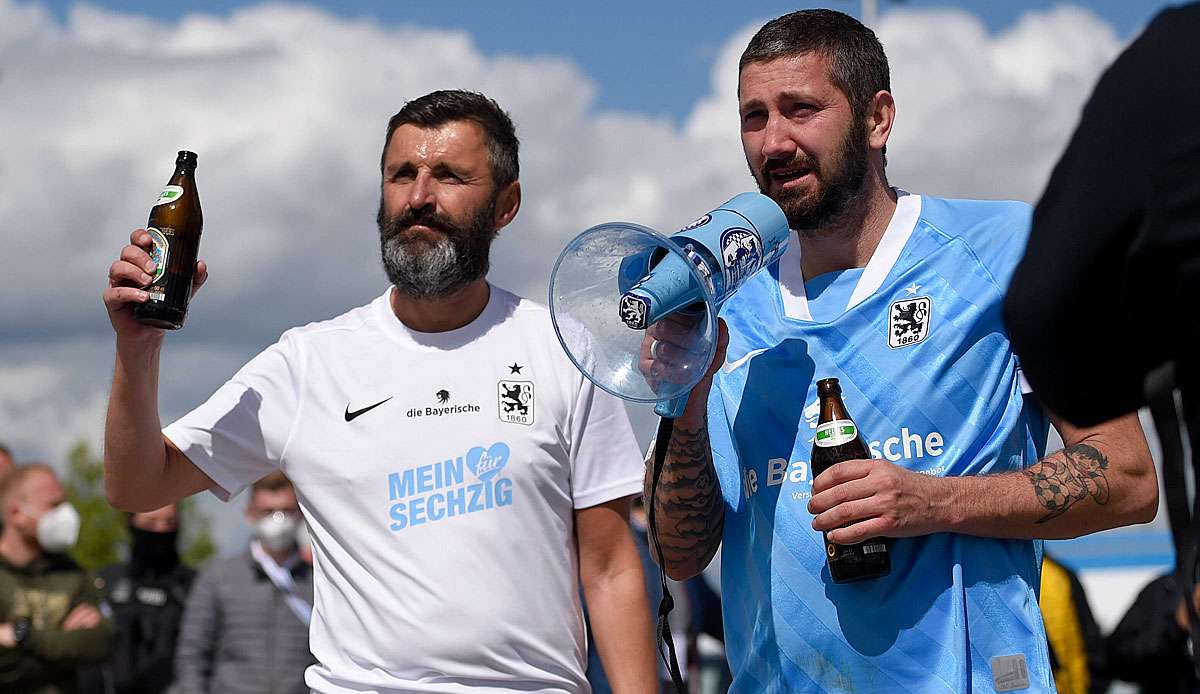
(433, 270)
(434, 273)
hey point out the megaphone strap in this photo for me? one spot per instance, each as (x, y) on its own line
(665, 427)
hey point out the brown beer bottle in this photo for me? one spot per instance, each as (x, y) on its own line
(174, 225)
(838, 439)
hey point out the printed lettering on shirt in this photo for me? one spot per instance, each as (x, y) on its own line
(434, 492)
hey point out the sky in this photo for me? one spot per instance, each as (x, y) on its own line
(625, 110)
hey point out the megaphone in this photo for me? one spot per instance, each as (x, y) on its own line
(617, 279)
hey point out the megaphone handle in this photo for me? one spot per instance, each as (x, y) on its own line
(663, 636)
(670, 409)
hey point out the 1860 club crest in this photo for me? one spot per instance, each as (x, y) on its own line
(908, 321)
(516, 402)
(743, 253)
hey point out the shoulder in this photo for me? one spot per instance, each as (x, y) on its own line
(995, 232)
(348, 323)
(225, 570)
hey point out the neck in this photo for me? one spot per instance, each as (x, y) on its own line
(851, 239)
(443, 313)
(15, 549)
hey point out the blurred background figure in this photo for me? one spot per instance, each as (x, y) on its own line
(1150, 646)
(1076, 645)
(146, 597)
(50, 622)
(6, 461)
(245, 629)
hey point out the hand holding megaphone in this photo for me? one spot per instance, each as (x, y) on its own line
(636, 311)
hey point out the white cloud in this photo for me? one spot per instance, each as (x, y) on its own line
(287, 106)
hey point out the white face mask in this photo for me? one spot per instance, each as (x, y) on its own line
(276, 531)
(58, 528)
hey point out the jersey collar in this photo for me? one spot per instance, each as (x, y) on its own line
(899, 229)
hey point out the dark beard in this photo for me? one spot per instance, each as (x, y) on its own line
(424, 269)
(840, 189)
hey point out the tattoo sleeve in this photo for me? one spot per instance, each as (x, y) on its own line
(1065, 478)
(688, 506)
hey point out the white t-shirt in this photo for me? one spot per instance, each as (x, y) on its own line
(439, 474)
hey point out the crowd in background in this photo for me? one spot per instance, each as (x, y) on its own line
(152, 624)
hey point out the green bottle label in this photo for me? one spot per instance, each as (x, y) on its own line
(169, 194)
(835, 433)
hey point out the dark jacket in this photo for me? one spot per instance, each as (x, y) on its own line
(1148, 647)
(45, 591)
(239, 636)
(147, 608)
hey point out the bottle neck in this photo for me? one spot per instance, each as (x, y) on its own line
(832, 408)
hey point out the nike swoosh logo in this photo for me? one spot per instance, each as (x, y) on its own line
(731, 366)
(351, 415)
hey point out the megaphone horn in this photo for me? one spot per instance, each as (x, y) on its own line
(615, 280)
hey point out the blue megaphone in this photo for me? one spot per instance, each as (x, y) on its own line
(615, 280)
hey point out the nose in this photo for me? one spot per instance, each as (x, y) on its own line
(422, 193)
(777, 140)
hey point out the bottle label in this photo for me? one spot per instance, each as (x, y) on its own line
(158, 253)
(835, 433)
(169, 194)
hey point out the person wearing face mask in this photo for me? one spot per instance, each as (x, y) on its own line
(50, 622)
(245, 628)
(146, 595)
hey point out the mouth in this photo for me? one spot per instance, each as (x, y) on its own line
(789, 177)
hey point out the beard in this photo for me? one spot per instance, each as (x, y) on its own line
(431, 269)
(839, 183)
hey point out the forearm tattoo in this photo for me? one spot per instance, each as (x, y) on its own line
(688, 506)
(1067, 477)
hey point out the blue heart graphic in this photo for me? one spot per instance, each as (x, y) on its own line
(486, 464)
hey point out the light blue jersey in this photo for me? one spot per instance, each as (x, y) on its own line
(917, 341)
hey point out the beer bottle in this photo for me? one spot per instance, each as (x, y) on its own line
(174, 225)
(838, 439)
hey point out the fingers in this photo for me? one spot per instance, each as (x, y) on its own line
(82, 617)
(842, 472)
(852, 490)
(859, 532)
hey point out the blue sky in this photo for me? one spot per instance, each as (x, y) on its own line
(647, 57)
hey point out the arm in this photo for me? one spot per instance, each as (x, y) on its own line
(688, 508)
(198, 634)
(143, 471)
(613, 585)
(1103, 478)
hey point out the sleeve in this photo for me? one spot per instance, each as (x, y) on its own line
(1146, 642)
(605, 462)
(198, 634)
(241, 433)
(1077, 306)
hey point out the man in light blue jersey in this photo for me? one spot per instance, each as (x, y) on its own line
(898, 296)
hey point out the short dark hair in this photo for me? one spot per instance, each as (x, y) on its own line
(857, 63)
(449, 105)
(273, 482)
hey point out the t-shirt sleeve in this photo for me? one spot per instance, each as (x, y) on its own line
(605, 461)
(241, 432)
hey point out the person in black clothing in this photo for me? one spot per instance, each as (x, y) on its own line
(146, 596)
(1106, 290)
(1150, 645)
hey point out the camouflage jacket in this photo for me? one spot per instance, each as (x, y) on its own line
(44, 592)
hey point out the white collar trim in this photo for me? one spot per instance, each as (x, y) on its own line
(899, 229)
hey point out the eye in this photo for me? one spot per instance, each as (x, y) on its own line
(754, 117)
